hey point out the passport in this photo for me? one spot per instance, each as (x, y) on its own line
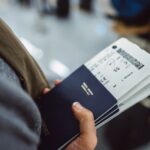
(108, 84)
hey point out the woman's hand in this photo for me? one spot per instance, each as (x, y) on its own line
(87, 139)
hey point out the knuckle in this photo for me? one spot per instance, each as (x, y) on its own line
(90, 115)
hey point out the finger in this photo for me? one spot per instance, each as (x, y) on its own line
(57, 82)
(87, 139)
(86, 120)
(46, 90)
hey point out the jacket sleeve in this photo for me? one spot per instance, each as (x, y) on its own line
(16, 55)
(20, 121)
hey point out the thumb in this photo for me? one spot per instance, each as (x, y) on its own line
(86, 120)
(87, 139)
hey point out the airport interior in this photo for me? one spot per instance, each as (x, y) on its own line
(61, 35)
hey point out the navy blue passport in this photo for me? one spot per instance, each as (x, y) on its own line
(55, 107)
(108, 114)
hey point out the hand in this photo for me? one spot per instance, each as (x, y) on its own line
(87, 139)
(46, 90)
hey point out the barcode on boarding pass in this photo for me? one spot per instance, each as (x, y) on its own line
(130, 58)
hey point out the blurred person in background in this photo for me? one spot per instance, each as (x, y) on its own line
(62, 8)
(22, 83)
(86, 5)
(133, 17)
(25, 2)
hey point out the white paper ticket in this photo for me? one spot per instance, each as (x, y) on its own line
(120, 67)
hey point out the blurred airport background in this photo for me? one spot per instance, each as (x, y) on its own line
(61, 35)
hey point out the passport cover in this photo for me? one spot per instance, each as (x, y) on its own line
(55, 107)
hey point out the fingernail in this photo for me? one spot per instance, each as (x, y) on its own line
(46, 90)
(77, 106)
